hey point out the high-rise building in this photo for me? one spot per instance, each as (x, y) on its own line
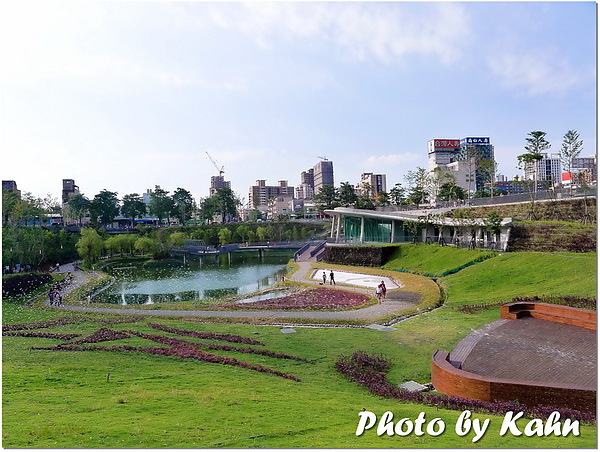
(306, 189)
(260, 194)
(442, 151)
(323, 174)
(473, 151)
(376, 183)
(547, 169)
(588, 165)
(69, 189)
(218, 182)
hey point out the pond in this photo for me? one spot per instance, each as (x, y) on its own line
(172, 281)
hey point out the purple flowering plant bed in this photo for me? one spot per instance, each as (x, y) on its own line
(217, 336)
(70, 321)
(177, 347)
(317, 299)
(179, 342)
(370, 370)
(46, 334)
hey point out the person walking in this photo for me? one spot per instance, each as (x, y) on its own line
(331, 279)
(324, 277)
(379, 292)
(383, 290)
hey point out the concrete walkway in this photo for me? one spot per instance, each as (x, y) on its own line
(396, 302)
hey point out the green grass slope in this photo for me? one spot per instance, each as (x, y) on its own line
(524, 274)
(434, 259)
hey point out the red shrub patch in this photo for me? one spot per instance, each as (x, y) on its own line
(222, 337)
(64, 337)
(320, 298)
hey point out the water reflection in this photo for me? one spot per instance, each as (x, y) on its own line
(172, 281)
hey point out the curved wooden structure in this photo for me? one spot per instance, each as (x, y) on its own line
(448, 377)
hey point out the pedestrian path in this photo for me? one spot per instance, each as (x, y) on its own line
(397, 302)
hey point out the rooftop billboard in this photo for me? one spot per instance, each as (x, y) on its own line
(440, 143)
(475, 140)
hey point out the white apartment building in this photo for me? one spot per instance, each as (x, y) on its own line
(547, 169)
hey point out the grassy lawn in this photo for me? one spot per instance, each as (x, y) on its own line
(109, 399)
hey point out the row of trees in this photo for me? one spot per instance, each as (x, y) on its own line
(106, 206)
(159, 242)
(421, 186)
(571, 148)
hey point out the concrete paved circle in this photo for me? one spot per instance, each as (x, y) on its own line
(356, 279)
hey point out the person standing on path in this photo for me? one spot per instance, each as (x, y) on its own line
(383, 289)
(331, 280)
(324, 277)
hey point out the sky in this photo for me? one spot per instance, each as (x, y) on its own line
(125, 96)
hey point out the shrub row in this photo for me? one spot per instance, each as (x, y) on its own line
(569, 300)
(370, 371)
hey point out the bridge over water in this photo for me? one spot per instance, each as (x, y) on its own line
(304, 251)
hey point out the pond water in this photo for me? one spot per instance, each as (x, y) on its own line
(136, 284)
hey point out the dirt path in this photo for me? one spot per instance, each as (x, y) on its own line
(397, 302)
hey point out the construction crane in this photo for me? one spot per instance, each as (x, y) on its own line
(322, 158)
(220, 170)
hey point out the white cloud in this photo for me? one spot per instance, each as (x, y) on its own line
(384, 161)
(384, 32)
(535, 72)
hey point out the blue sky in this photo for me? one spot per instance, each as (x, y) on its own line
(129, 95)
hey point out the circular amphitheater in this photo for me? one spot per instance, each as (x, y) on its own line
(536, 354)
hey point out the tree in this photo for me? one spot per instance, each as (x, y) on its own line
(105, 207)
(183, 204)
(224, 236)
(90, 245)
(488, 169)
(133, 207)
(346, 194)
(536, 143)
(570, 150)
(417, 182)
(145, 245)
(326, 198)
(10, 203)
(161, 204)
(226, 203)
(365, 202)
(436, 179)
(451, 192)
(397, 194)
(383, 198)
(78, 206)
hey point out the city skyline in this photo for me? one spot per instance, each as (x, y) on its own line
(126, 96)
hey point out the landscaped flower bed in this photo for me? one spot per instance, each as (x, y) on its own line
(320, 298)
(222, 337)
(177, 347)
(20, 333)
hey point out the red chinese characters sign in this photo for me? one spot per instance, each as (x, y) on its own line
(446, 144)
